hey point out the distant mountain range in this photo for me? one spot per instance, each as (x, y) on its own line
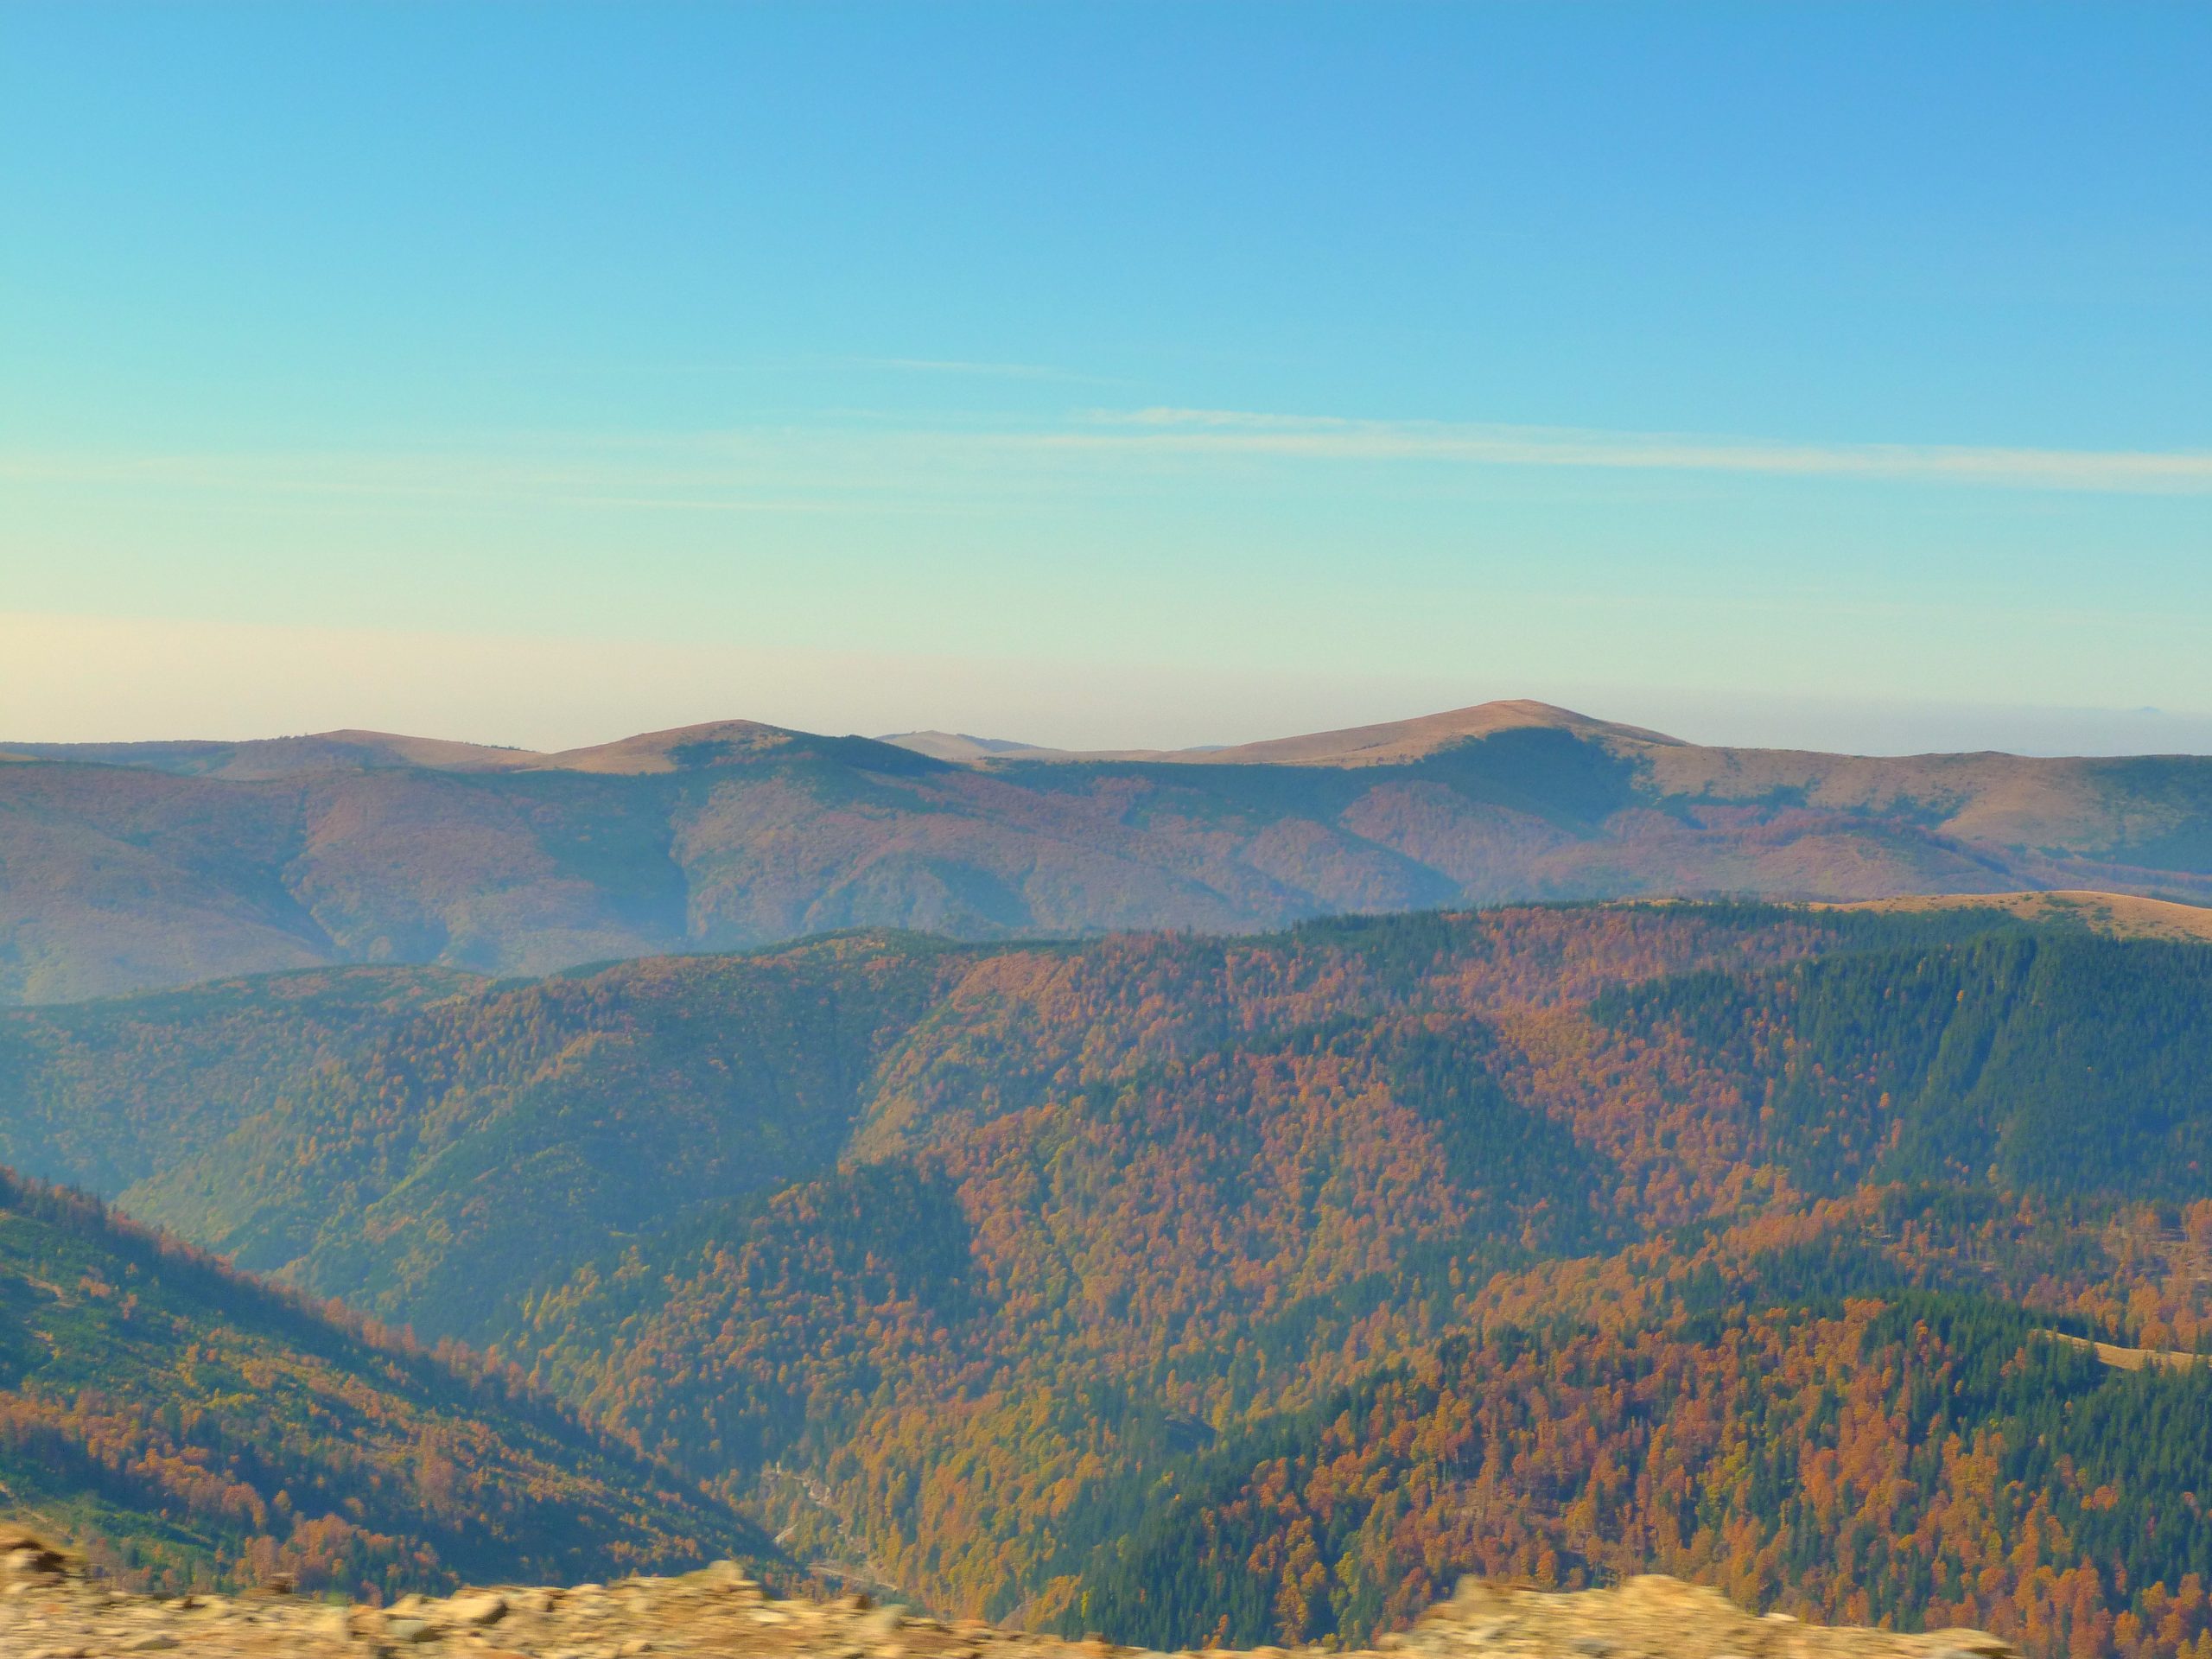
(126, 866)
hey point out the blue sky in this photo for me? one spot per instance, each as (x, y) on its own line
(1107, 373)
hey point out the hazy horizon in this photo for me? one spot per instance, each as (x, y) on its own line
(1108, 375)
(236, 683)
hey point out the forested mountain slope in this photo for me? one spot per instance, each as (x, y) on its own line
(1912, 1460)
(191, 1427)
(428, 1144)
(1147, 1282)
(126, 866)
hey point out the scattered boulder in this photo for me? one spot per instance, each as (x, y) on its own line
(26, 1558)
(720, 1613)
(484, 1607)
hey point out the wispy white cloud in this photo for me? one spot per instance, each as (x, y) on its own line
(1232, 432)
(879, 463)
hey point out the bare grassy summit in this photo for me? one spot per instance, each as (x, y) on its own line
(49, 1611)
(130, 866)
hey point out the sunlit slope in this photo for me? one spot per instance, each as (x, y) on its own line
(2117, 915)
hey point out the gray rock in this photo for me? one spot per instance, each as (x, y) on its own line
(485, 1607)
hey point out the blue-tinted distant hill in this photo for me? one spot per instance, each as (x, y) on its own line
(125, 866)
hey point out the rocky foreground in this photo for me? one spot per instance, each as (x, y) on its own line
(48, 1612)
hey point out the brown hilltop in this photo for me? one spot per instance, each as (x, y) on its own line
(1389, 743)
(284, 757)
(1395, 742)
(675, 750)
(2116, 915)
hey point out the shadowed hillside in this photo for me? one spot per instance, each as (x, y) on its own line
(191, 1427)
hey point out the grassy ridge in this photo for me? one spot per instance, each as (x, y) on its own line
(135, 866)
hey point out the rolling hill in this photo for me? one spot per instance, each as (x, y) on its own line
(189, 1426)
(127, 867)
(1184, 1287)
